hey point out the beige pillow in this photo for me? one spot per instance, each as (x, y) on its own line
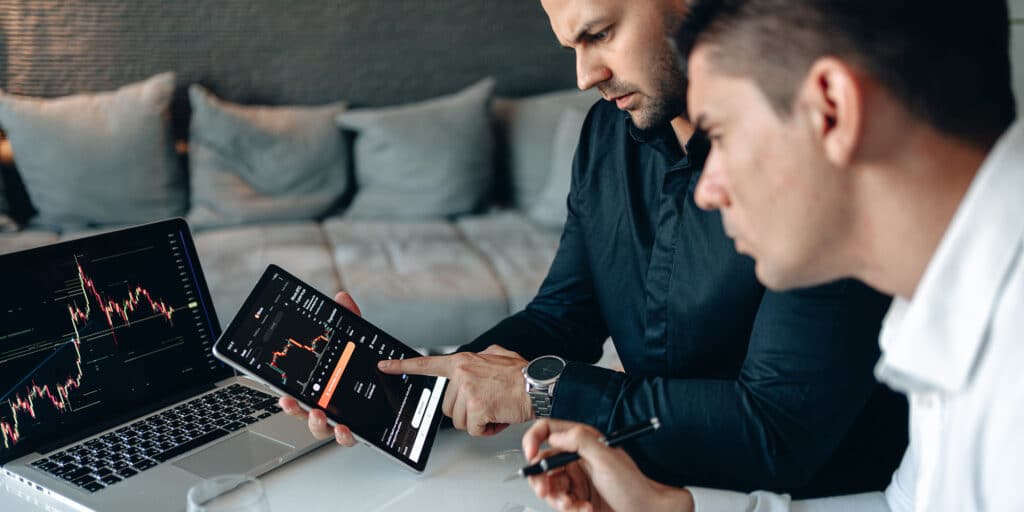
(255, 164)
(427, 159)
(98, 159)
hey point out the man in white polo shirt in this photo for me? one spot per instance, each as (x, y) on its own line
(873, 140)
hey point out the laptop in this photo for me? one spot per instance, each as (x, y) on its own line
(110, 397)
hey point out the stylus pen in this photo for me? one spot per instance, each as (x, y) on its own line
(612, 440)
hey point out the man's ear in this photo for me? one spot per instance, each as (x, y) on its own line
(832, 98)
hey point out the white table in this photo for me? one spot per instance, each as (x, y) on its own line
(464, 473)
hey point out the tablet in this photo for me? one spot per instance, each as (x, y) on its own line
(301, 343)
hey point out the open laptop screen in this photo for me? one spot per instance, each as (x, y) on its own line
(91, 329)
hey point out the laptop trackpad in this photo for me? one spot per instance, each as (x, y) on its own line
(239, 454)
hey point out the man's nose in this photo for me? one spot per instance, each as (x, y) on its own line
(712, 191)
(590, 70)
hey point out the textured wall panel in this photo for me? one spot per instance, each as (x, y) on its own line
(369, 52)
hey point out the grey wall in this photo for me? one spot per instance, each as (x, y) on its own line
(368, 52)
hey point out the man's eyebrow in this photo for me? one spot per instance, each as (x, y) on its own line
(582, 32)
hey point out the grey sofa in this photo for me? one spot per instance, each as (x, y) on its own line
(431, 282)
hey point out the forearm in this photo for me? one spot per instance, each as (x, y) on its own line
(731, 437)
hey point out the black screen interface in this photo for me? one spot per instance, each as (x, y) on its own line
(91, 328)
(306, 344)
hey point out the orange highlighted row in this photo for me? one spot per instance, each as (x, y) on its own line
(332, 383)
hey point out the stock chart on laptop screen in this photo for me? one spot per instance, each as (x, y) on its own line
(91, 328)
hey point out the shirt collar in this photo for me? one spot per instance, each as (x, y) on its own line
(663, 139)
(932, 342)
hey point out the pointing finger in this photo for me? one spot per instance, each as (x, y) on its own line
(438, 366)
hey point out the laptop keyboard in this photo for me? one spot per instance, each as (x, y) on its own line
(106, 460)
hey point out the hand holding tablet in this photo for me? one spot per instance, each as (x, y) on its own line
(324, 356)
(317, 421)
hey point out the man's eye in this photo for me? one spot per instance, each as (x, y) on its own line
(599, 36)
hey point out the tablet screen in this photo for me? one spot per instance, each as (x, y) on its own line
(306, 345)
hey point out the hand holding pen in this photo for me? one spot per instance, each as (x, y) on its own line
(603, 478)
(611, 440)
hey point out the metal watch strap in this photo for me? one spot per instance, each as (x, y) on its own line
(541, 403)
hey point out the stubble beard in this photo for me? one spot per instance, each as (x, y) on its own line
(669, 98)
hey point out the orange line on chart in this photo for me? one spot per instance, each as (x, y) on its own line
(332, 383)
(284, 351)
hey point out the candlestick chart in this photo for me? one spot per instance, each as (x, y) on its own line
(91, 331)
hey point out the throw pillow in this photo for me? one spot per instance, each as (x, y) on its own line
(528, 128)
(550, 208)
(98, 159)
(252, 164)
(428, 159)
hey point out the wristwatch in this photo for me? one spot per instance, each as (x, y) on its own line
(541, 376)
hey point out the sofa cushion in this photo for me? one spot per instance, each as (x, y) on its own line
(95, 159)
(419, 281)
(527, 126)
(519, 251)
(234, 258)
(253, 164)
(28, 239)
(428, 159)
(550, 209)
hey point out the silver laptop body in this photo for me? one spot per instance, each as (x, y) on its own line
(112, 400)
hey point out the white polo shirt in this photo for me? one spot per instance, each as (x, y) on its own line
(957, 350)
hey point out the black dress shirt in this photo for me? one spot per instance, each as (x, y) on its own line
(755, 389)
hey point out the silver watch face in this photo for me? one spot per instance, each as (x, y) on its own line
(545, 368)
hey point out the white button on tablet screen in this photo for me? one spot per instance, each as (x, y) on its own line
(421, 434)
(420, 408)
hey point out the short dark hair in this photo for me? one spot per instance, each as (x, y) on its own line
(947, 62)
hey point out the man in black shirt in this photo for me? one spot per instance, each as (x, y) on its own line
(754, 389)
